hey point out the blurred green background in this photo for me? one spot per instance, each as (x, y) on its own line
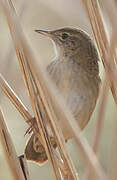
(49, 14)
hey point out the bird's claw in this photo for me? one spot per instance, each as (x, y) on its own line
(32, 121)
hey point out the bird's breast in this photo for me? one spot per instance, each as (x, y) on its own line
(78, 89)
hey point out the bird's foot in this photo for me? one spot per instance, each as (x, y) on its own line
(32, 121)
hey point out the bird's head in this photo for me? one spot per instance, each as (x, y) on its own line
(70, 42)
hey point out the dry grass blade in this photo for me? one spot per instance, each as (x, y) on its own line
(10, 53)
(111, 11)
(10, 152)
(101, 115)
(40, 115)
(112, 171)
(37, 82)
(97, 22)
(14, 99)
(100, 121)
(112, 21)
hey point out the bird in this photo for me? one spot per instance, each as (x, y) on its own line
(75, 73)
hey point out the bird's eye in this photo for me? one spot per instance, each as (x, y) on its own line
(64, 35)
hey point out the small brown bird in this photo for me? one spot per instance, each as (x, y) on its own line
(75, 73)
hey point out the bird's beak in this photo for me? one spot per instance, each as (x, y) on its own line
(43, 32)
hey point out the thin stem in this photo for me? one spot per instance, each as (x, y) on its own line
(9, 151)
(100, 121)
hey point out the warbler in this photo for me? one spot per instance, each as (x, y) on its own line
(75, 73)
